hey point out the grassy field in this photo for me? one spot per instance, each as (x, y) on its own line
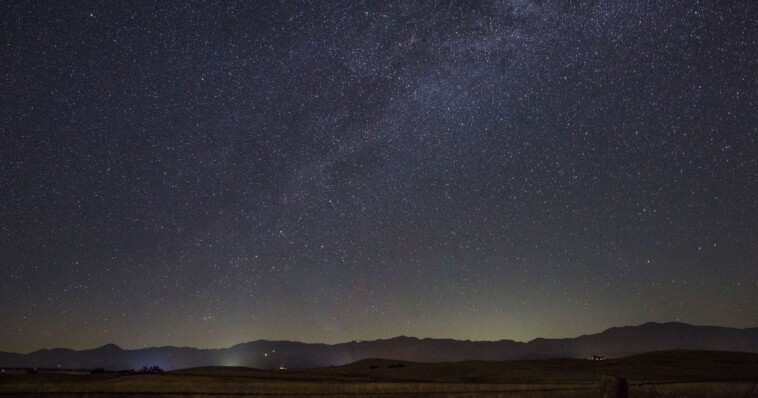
(668, 374)
(201, 385)
(258, 383)
(695, 390)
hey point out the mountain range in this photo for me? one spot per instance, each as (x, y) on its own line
(613, 342)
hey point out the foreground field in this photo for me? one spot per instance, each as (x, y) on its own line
(145, 385)
(668, 374)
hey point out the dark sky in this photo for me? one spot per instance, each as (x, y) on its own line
(208, 173)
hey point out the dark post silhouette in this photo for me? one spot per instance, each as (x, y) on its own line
(614, 387)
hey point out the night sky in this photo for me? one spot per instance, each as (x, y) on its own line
(210, 173)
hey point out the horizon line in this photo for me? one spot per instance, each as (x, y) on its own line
(372, 340)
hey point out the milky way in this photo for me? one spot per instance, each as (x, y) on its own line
(209, 173)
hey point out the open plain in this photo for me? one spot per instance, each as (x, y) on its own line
(660, 374)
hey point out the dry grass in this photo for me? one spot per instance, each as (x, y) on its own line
(199, 385)
(183, 385)
(695, 390)
(659, 375)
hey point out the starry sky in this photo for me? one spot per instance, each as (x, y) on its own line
(209, 173)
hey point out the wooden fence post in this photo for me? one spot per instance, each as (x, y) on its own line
(614, 387)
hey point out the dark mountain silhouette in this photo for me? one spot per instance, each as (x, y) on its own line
(614, 342)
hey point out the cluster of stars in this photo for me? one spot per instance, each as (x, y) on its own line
(206, 174)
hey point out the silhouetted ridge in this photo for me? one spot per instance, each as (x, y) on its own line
(265, 354)
(109, 347)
